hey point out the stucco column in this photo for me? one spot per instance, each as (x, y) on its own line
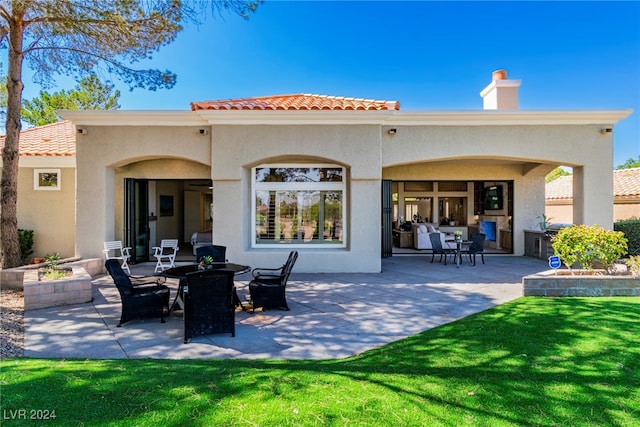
(94, 210)
(593, 187)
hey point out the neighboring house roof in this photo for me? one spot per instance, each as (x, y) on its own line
(297, 102)
(56, 139)
(626, 184)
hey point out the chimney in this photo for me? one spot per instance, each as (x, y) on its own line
(500, 94)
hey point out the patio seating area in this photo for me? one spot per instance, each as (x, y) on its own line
(331, 315)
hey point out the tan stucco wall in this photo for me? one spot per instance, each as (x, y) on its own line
(536, 149)
(50, 213)
(106, 155)
(238, 148)
(522, 154)
(562, 211)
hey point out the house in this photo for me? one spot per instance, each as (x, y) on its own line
(626, 196)
(46, 187)
(329, 176)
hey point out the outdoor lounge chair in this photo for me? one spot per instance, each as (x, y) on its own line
(141, 296)
(216, 252)
(267, 289)
(438, 248)
(476, 247)
(165, 254)
(209, 303)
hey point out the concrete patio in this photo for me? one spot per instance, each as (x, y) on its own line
(332, 315)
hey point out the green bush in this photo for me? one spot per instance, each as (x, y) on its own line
(587, 245)
(631, 229)
(25, 237)
(634, 265)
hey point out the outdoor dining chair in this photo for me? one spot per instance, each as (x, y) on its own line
(438, 248)
(216, 252)
(267, 289)
(141, 297)
(476, 247)
(165, 254)
(115, 250)
(209, 303)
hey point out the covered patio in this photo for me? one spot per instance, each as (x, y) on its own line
(333, 315)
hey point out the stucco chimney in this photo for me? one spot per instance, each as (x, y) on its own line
(500, 94)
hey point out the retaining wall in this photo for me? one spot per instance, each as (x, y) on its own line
(550, 284)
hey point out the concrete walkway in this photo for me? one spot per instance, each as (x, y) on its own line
(332, 315)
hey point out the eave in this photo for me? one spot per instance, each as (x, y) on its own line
(323, 117)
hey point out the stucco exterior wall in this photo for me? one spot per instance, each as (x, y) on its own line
(226, 151)
(106, 155)
(532, 150)
(236, 149)
(50, 213)
(562, 211)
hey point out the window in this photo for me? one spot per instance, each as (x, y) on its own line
(299, 206)
(46, 179)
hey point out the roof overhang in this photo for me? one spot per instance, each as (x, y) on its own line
(326, 117)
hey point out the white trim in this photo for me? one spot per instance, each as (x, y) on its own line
(512, 117)
(47, 162)
(133, 118)
(500, 83)
(36, 180)
(349, 117)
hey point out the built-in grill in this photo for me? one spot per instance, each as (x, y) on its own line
(537, 244)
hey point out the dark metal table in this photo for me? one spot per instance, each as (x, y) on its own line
(459, 246)
(182, 271)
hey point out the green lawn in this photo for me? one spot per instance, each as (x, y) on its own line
(535, 361)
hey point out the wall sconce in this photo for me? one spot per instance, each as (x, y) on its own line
(606, 131)
(82, 131)
(392, 131)
(203, 131)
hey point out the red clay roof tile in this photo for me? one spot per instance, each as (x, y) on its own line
(626, 183)
(300, 101)
(56, 139)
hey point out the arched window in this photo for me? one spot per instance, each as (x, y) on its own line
(298, 205)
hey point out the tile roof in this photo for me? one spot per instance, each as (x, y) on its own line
(301, 101)
(56, 139)
(626, 183)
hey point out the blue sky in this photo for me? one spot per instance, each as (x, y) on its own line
(426, 55)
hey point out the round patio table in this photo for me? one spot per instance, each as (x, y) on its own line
(181, 272)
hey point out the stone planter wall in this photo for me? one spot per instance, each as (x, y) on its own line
(13, 278)
(550, 284)
(52, 293)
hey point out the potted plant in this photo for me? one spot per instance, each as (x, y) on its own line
(206, 263)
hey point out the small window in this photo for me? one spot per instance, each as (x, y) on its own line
(46, 179)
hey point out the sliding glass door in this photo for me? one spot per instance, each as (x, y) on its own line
(136, 218)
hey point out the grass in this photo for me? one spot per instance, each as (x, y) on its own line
(534, 361)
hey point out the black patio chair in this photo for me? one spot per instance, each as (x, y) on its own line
(217, 252)
(437, 248)
(209, 304)
(142, 296)
(267, 289)
(475, 247)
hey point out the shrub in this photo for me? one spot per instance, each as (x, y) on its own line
(631, 229)
(634, 265)
(587, 245)
(25, 238)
